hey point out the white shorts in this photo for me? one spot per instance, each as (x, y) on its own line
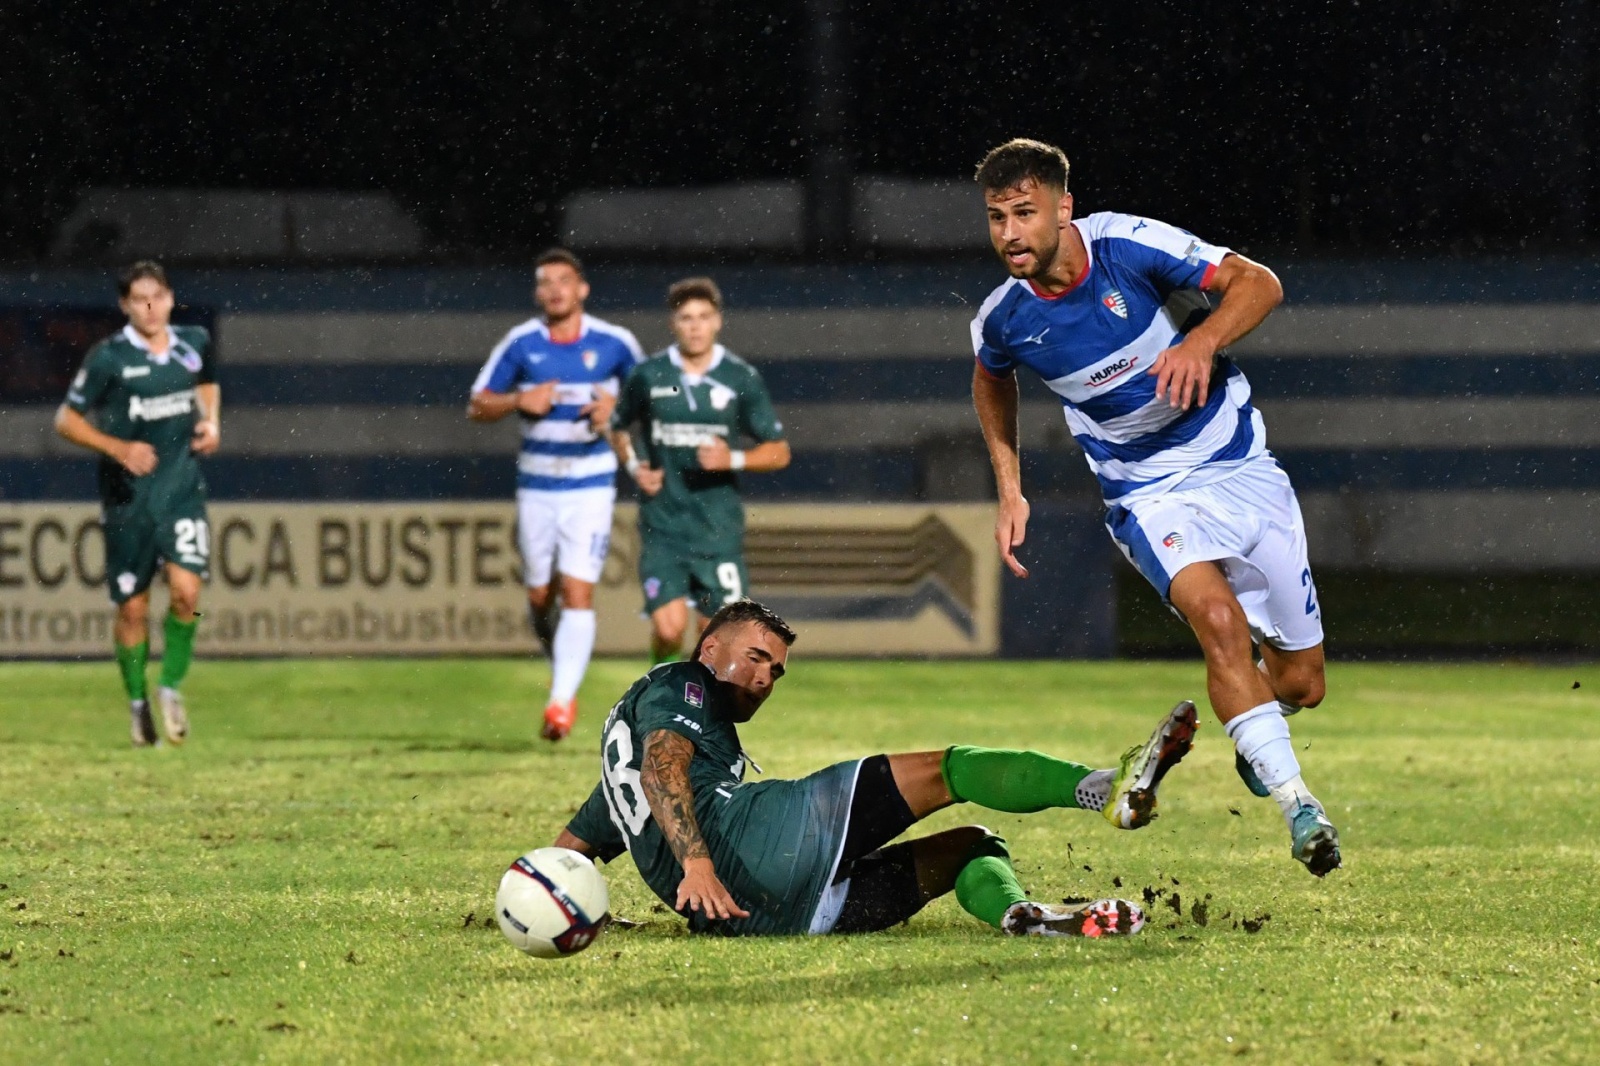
(569, 530)
(1249, 523)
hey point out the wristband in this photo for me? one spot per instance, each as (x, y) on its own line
(632, 467)
(736, 460)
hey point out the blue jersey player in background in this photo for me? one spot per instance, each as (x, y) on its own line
(560, 373)
(1112, 313)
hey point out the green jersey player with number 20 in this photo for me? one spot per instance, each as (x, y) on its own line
(148, 401)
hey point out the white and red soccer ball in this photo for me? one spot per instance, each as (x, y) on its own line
(552, 903)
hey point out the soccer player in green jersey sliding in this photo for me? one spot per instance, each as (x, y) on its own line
(148, 401)
(813, 855)
(697, 401)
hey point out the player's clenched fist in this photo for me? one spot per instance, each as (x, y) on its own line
(137, 457)
(207, 437)
(649, 479)
(538, 400)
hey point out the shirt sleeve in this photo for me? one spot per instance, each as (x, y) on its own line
(633, 402)
(757, 417)
(592, 825)
(201, 340)
(1171, 257)
(676, 702)
(988, 344)
(95, 379)
(502, 372)
(635, 354)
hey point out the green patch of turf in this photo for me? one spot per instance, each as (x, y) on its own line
(310, 879)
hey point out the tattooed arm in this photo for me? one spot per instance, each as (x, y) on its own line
(664, 776)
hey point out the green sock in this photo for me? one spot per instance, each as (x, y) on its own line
(1018, 782)
(131, 660)
(986, 887)
(179, 650)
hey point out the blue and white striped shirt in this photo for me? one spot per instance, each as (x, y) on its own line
(561, 451)
(1093, 345)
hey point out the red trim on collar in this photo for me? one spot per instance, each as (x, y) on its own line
(1088, 265)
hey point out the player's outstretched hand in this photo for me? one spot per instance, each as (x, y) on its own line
(1010, 529)
(538, 400)
(598, 410)
(137, 457)
(649, 479)
(207, 437)
(715, 455)
(1183, 374)
(701, 890)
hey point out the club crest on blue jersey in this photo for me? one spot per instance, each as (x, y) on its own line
(591, 358)
(1115, 302)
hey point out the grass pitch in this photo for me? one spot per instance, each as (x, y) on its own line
(310, 879)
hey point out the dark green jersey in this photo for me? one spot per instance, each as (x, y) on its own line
(678, 411)
(131, 393)
(774, 844)
(684, 698)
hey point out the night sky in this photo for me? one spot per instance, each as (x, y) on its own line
(1350, 128)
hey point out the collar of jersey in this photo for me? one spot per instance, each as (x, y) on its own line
(131, 335)
(717, 352)
(584, 330)
(1088, 265)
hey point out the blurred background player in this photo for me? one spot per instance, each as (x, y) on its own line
(1109, 311)
(809, 855)
(148, 401)
(560, 373)
(695, 401)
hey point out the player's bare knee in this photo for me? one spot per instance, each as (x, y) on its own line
(1303, 689)
(539, 598)
(133, 612)
(185, 603)
(980, 842)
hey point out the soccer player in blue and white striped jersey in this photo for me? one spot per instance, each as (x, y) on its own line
(561, 373)
(1113, 313)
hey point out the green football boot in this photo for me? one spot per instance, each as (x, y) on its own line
(1132, 803)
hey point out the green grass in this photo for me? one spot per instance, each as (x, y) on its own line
(294, 885)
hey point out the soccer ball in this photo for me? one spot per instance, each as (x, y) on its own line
(552, 902)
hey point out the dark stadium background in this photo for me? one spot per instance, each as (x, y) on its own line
(1430, 153)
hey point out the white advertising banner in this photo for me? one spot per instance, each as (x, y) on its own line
(445, 579)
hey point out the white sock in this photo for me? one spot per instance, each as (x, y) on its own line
(1262, 736)
(570, 650)
(1093, 791)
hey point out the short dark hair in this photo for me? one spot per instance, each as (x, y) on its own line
(558, 255)
(1019, 159)
(681, 292)
(144, 268)
(740, 611)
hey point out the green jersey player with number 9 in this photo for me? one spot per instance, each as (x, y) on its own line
(148, 401)
(697, 403)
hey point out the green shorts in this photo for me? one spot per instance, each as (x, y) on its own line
(669, 572)
(139, 539)
(775, 845)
